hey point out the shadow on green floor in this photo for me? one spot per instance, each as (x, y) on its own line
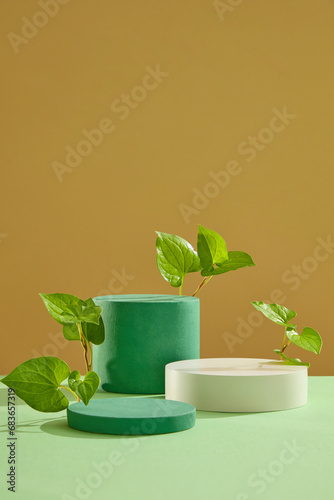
(4, 397)
(203, 415)
(28, 427)
(60, 427)
(100, 394)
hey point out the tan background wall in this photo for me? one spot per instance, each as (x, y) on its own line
(226, 75)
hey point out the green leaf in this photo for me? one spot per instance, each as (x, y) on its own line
(94, 333)
(37, 381)
(278, 314)
(66, 308)
(71, 332)
(211, 249)
(291, 361)
(90, 314)
(63, 307)
(175, 258)
(309, 340)
(85, 388)
(90, 302)
(236, 260)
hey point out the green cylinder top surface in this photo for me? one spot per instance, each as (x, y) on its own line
(145, 298)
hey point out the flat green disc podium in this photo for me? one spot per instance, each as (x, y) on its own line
(131, 416)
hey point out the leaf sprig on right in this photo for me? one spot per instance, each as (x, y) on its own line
(309, 339)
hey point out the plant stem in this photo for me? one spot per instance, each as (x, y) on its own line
(284, 347)
(91, 355)
(180, 291)
(72, 392)
(84, 345)
(205, 280)
(283, 344)
(81, 332)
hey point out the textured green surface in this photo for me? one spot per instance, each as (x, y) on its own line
(215, 459)
(143, 334)
(132, 416)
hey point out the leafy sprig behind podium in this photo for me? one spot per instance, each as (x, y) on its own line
(176, 257)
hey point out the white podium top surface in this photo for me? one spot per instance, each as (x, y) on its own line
(234, 367)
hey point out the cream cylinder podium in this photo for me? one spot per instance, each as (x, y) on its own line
(237, 384)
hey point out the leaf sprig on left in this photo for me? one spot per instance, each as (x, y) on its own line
(38, 381)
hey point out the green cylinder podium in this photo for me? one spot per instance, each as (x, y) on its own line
(143, 334)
